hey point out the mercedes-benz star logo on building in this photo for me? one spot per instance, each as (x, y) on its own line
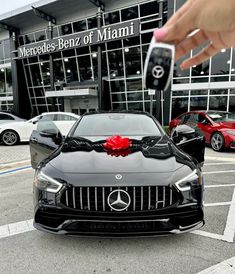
(118, 176)
(119, 200)
(158, 72)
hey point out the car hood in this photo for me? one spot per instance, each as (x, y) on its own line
(148, 155)
(230, 125)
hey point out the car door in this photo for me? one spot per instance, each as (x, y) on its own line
(44, 140)
(206, 126)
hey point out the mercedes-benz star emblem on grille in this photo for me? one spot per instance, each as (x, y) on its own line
(118, 176)
(119, 200)
(158, 72)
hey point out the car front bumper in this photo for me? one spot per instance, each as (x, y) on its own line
(60, 221)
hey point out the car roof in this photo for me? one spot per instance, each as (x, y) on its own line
(118, 112)
(12, 115)
(60, 112)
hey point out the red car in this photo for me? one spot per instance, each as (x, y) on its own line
(217, 126)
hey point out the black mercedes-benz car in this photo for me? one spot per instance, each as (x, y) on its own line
(117, 174)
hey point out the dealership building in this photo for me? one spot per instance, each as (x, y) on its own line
(84, 55)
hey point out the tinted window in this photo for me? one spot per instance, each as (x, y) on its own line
(64, 117)
(117, 124)
(129, 13)
(48, 117)
(6, 117)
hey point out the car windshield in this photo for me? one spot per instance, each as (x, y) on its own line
(116, 124)
(222, 117)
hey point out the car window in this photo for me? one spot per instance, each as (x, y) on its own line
(49, 117)
(185, 119)
(203, 119)
(117, 124)
(64, 117)
(45, 124)
(6, 117)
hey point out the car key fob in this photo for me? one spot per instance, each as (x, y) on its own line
(159, 64)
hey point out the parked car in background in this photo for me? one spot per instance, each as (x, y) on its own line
(8, 118)
(20, 131)
(117, 174)
(217, 126)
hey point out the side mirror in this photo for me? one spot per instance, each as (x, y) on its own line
(182, 133)
(50, 132)
(53, 134)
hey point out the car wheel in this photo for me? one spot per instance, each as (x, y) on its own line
(10, 138)
(217, 141)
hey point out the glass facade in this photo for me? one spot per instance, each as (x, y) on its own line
(122, 61)
(202, 87)
(210, 85)
(6, 93)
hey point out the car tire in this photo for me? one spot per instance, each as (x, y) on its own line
(10, 137)
(217, 141)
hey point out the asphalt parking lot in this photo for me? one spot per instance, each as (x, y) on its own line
(24, 250)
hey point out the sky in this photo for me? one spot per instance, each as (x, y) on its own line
(9, 5)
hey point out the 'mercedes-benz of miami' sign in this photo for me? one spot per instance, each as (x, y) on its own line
(86, 38)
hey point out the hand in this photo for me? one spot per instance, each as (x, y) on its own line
(198, 22)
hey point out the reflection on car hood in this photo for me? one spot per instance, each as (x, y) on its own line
(228, 124)
(147, 154)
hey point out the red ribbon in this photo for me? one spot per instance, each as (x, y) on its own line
(117, 143)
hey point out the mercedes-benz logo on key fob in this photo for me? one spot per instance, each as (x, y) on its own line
(159, 65)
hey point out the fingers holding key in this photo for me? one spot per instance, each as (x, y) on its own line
(202, 56)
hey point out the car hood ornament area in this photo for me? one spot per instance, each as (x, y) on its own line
(119, 200)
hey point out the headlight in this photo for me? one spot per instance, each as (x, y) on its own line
(46, 183)
(231, 132)
(187, 182)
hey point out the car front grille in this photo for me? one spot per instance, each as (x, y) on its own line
(142, 198)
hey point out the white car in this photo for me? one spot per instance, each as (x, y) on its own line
(9, 118)
(20, 131)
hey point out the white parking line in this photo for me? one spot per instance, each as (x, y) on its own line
(227, 266)
(207, 234)
(218, 204)
(16, 228)
(220, 158)
(225, 185)
(219, 164)
(221, 171)
(230, 225)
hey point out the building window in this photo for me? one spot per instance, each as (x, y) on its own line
(134, 96)
(133, 61)
(58, 71)
(92, 23)
(71, 70)
(134, 84)
(117, 85)
(85, 68)
(119, 97)
(149, 8)
(79, 26)
(65, 29)
(232, 103)
(45, 68)
(129, 13)
(112, 18)
(115, 63)
(220, 64)
(179, 105)
(218, 103)
(198, 103)
(29, 38)
(40, 35)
